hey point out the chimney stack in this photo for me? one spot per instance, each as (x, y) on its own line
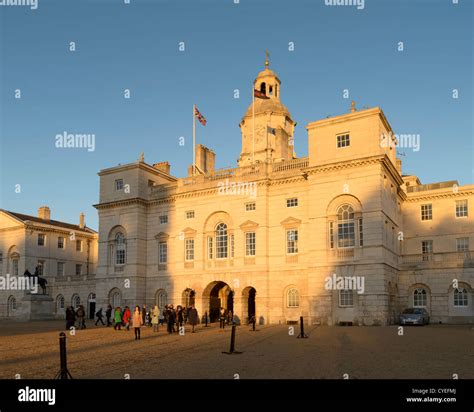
(81, 221)
(44, 213)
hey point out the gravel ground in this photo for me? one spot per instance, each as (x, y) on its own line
(430, 352)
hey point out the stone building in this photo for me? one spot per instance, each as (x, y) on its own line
(65, 254)
(264, 237)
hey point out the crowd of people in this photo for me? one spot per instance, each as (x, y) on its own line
(174, 318)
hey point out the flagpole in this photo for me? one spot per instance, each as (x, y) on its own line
(253, 123)
(194, 139)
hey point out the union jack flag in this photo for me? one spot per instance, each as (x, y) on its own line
(200, 117)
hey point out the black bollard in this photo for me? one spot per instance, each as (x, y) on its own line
(63, 372)
(302, 334)
(232, 350)
(205, 318)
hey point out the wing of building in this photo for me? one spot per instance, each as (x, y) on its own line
(62, 253)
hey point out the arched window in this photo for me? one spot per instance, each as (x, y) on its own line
(419, 298)
(292, 298)
(345, 227)
(76, 301)
(115, 298)
(161, 299)
(221, 241)
(263, 88)
(60, 303)
(189, 297)
(119, 249)
(11, 306)
(460, 297)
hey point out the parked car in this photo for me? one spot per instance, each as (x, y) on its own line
(414, 316)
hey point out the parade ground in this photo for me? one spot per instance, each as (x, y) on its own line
(31, 350)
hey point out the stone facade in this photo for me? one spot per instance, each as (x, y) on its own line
(346, 205)
(67, 254)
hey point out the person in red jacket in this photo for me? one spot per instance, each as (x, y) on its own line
(127, 315)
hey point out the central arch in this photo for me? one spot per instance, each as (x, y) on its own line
(216, 295)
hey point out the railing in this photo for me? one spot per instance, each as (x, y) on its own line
(345, 253)
(449, 257)
(294, 164)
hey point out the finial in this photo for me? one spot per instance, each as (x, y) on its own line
(353, 106)
(142, 157)
(267, 59)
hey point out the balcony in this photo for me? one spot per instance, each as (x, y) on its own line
(342, 254)
(451, 259)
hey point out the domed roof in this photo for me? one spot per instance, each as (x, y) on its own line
(267, 72)
(267, 105)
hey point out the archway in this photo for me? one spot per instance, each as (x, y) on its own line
(115, 298)
(91, 305)
(248, 302)
(189, 297)
(217, 295)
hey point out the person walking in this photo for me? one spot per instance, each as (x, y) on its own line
(137, 321)
(193, 317)
(70, 317)
(118, 318)
(154, 318)
(171, 314)
(179, 317)
(127, 316)
(108, 315)
(81, 324)
(222, 319)
(161, 318)
(144, 314)
(99, 317)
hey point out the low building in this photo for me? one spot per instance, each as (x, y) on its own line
(64, 254)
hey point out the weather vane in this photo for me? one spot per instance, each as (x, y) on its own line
(267, 58)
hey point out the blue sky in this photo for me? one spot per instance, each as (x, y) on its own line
(135, 46)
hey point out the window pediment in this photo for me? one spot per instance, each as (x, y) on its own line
(249, 224)
(189, 231)
(290, 222)
(162, 236)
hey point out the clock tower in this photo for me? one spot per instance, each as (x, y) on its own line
(270, 120)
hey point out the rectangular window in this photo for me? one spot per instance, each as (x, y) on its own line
(343, 140)
(293, 202)
(210, 251)
(79, 245)
(292, 241)
(189, 249)
(40, 267)
(60, 242)
(361, 233)
(120, 256)
(345, 235)
(427, 249)
(462, 244)
(119, 185)
(346, 298)
(78, 270)
(41, 239)
(60, 271)
(331, 235)
(250, 206)
(163, 219)
(426, 212)
(250, 244)
(461, 208)
(15, 267)
(190, 214)
(163, 252)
